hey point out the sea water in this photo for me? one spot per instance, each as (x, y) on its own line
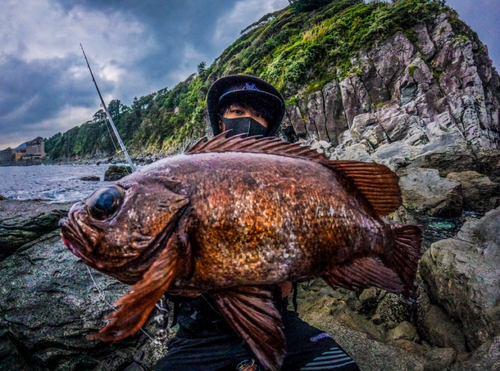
(51, 183)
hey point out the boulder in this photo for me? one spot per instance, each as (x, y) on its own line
(116, 172)
(435, 326)
(446, 154)
(369, 354)
(90, 178)
(2, 198)
(50, 304)
(490, 164)
(479, 193)
(404, 331)
(425, 192)
(439, 359)
(486, 357)
(24, 221)
(391, 310)
(461, 275)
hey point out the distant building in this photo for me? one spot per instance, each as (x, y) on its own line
(6, 155)
(35, 149)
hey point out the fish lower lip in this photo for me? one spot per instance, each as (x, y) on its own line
(65, 241)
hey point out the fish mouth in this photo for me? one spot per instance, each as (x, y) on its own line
(70, 235)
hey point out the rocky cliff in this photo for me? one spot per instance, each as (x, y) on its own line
(430, 102)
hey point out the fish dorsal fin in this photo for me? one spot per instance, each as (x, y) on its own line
(251, 312)
(378, 184)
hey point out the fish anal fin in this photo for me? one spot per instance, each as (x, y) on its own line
(135, 307)
(364, 273)
(407, 246)
(251, 312)
(378, 184)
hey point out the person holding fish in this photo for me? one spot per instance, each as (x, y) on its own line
(226, 226)
(246, 106)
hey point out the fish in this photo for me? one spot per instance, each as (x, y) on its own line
(233, 218)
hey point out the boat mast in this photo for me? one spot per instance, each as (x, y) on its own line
(129, 160)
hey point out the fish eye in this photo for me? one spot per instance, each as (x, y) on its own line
(104, 202)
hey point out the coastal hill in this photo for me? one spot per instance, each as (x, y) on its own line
(406, 84)
(302, 51)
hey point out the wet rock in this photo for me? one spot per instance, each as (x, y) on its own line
(116, 172)
(357, 322)
(2, 198)
(49, 305)
(435, 326)
(404, 331)
(24, 221)
(490, 164)
(447, 154)
(391, 310)
(425, 192)
(486, 357)
(368, 295)
(461, 275)
(439, 359)
(410, 346)
(369, 354)
(479, 193)
(90, 178)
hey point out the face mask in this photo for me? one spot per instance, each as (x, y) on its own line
(243, 125)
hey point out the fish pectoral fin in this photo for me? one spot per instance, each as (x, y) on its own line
(251, 312)
(364, 273)
(135, 307)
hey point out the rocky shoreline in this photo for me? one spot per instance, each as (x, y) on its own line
(51, 302)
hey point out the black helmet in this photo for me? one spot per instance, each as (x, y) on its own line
(249, 90)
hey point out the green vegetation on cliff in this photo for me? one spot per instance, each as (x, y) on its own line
(296, 49)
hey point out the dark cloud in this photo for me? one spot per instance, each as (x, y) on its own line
(134, 48)
(35, 90)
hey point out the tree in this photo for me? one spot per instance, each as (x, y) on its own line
(115, 108)
(307, 5)
(201, 67)
(99, 116)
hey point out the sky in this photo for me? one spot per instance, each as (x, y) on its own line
(134, 48)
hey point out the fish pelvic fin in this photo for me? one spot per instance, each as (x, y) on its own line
(363, 273)
(406, 253)
(135, 307)
(251, 312)
(376, 182)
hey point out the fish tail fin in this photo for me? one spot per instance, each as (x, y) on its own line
(406, 253)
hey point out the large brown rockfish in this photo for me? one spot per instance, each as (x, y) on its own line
(231, 217)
